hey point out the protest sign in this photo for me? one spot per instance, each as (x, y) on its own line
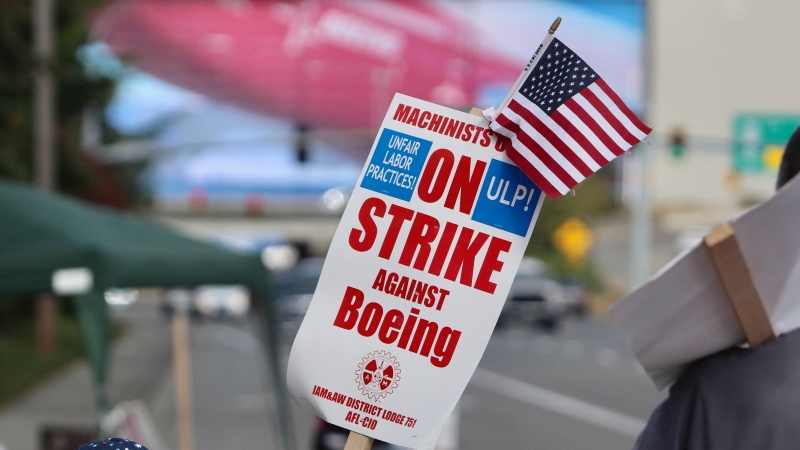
(416, 276)
(683, 313)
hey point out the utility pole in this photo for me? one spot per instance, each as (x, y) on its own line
(638, 167)
(43, 141)
(641, 221)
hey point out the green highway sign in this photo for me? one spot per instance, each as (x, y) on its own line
(759, 140)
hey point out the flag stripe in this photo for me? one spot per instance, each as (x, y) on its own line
(532, 160)
(583, 153)
(606, 113)
(502, 130)
(549, 155)
(624, 109)
(558, 170)
(537, 176)
(623, 118)
(550, 141)
(585, 131)
(577, 136)
(601, 121)
(595, 129)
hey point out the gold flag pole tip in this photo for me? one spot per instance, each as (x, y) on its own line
(554, 26)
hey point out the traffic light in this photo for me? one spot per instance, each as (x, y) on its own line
(677, 144)
(301, 144)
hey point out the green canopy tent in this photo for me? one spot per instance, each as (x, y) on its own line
(46, 238)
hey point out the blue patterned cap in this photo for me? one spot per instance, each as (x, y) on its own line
(112, 444)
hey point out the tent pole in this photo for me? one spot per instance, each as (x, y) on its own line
(94, 323)
(271, 345)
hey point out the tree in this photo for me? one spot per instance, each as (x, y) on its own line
(75, 91)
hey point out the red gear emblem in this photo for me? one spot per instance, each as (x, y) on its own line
(377, 374)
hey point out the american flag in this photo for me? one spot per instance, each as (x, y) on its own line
(565, 123)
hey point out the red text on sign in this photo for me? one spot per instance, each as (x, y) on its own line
(429, 246)
(410, 289)
(443, 125)
(410, 332)
(464, 184)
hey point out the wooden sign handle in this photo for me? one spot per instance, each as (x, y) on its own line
(357, 441)
(732, 269)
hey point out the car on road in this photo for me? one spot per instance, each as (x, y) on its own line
(539, 298)
(208, 301)
(292, 291)
(232, 301)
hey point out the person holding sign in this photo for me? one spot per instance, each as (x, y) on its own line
(740, 398)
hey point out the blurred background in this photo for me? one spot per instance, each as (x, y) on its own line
(242, 125)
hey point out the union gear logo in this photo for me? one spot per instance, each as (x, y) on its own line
(378, 374)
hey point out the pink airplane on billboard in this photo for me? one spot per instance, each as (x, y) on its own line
(323, 63)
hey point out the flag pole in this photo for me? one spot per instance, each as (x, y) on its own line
(531, 63)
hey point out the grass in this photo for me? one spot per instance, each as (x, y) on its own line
(21, 367)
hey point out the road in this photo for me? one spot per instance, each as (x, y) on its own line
(232, 397)
(577, 388)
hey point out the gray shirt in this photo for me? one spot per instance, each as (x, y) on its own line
(736, 399)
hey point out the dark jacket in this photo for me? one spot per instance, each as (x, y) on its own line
(739, 398)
